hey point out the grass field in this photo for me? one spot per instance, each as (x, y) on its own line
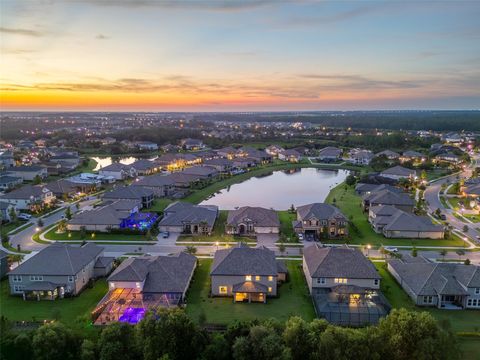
(293, 299)
(349, 202)
(74, 312)
(75, 236)
(18, 226)
(286, 228)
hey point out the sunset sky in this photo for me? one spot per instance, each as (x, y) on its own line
(146, 55)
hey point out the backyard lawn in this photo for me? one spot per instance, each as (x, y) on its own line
(286, 227)
(294, 299)
(158, 205)
(349, 202)
(73, 311)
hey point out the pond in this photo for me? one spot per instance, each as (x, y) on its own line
(105, 161)
(280, 189)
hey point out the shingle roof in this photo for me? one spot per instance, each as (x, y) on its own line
(319, 211)
(249, 287)
(25, 192)
(112, 213)
(116, 167)
(388, 153)
(342, 262)
(143, 164)
(260, 216)
(399, 171)
(128, 192)
(244, 260)
(178, 213)
(425, 278)
(59, 259)
(330, 151)
(155, 181)
(26, 168)
(160, 273)
(389, 197)
(403, 221)
(200, 170)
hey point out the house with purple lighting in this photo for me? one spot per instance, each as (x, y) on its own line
(141, 283)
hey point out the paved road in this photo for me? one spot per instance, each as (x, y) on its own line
(433, 202)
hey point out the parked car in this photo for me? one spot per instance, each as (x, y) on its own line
(443, 217)
(166, 234)
(24, 216)
(391, 249)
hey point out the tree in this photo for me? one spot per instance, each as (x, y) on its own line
(443, 253)
(217, 349)
(12, 214)
(262, 342)
(118, 341)
(406, 335)
(414, 252)
(423, 175)
(37, 180)
(62, 226)
(68, 213)
(460, 253)
(55, 342)
(88, 350)
(23, 346)
(5, 238)
(190, 249)
(465, 228)
(467, 261)
(296, 336)
(292, 208)
(281, 247)
(83, 232)
(350, 180)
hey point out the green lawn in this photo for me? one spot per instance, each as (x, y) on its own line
(19, 225)
(293, 299)
(286, 227)
(350, 203)
(473, 218)
(457, 202)
(159, 205)
(75, 236)
(73, 311)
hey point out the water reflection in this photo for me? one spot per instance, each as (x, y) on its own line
(105, 161)
(280, 189)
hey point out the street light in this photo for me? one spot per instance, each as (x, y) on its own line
(368, 249)
(216, 244)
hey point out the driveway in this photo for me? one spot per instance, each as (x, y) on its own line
(267, 240)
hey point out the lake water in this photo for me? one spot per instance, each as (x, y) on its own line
(105, 161)
(280, 189)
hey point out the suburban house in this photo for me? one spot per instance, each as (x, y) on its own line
(344, 284)
(29, 197)
(319, 220)
(192, 144)
(3, 264)
(411, 155)
(399, 172)
(62, 188)
(67, 160)
(221, 165)
(56, 270)
(114, 214)
(8, 182)
(257, 155)
(389, 154)
(249, 220)
(400, 200)
(364, 188)
(395, 223)
(161, 185)
(329, 154)
(449, 157)
(141, 194)
(6, 159)
(245, 273)
(118, 171)
(361, 157)
(145, 167)
(202, 172)
(187, 218)
(146, 145)
(5, 211)
(227, 152)
(141, 283)
(274, 150)
(441, 285)
(290, 155)
(28, 173)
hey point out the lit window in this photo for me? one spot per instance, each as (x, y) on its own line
(340, 281)
(269, 289)
(248, 278)
(222, 289)
(270, 278)
(257, 278)
(137, 285)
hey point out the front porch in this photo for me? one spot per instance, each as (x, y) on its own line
(451, 302)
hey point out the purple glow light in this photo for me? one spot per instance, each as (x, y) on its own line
(132, 315)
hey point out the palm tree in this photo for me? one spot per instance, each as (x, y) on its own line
(191, 249)
(443, 253)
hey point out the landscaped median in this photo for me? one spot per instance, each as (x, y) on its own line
(50, 234)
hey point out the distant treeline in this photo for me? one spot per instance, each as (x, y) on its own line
(405, 120)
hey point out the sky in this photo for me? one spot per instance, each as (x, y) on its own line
(145, 55)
